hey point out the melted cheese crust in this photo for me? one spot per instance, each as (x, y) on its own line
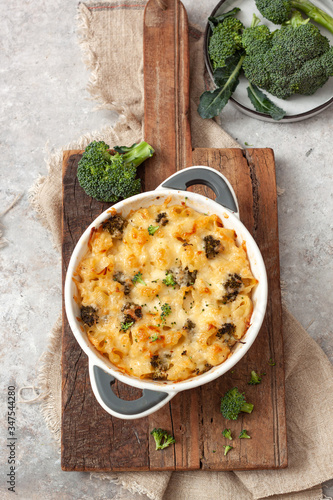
(182, 326)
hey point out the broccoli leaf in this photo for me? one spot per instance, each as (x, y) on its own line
(226, 79)
(263, 104)
(213, 21)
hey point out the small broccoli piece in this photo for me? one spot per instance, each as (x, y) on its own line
(189, 325)
(207, 367)
(271, 362)
(166, 310)
(169, 279)
(108, 177)
(255, 378)
(184, 277)
(279, 11)
(227, 328)
(226, 40)
(226, 334)
(138, 279)
(121, 278)
(232, 403)
(232, 287)
(244, 435)
(132, 312)
(227, 434)
(115, 225)
(125, 326)
(212, 246)
(89, 315)
(227, 448)
(162, 438)
(162, 219)
(152, 229)
(161, 366)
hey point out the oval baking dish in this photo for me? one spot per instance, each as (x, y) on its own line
(157, 393)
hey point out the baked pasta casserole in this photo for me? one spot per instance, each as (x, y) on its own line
(164, 293)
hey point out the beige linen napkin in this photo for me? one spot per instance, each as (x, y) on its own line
(309, 382)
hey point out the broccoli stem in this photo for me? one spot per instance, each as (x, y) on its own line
(247, 407)
(314, 13)
(138, 154)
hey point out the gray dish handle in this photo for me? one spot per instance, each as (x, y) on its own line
(149, 402)
(183, 179)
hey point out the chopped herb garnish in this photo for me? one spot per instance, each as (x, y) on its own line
(166, 310)
(138, 279)
(152, 229)
(154, 337)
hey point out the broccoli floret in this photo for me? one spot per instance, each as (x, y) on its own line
(161, 366)
(212, 246)
(132, 312)
(152, 229)
(115, 225)
(162, 219)
(184, 277)
(226, 333)
(169, 280)
(89, 315)
(256, 39)
(189, 325)
(138, 279)
(232, 403)
(279, 11)
(125, 326)
(298, 61)
(244, 435)
(276, 11)
(227, 448)
(162, 438)
(121, 278)
(313, 74)
(227, 434)
(108, 177)
(255, 378)
(225, 41)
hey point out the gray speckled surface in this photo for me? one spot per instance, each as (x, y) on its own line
(44, 104)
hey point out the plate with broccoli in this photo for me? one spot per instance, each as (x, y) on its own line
(273, 59)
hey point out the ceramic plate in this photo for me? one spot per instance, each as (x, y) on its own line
(297, 107)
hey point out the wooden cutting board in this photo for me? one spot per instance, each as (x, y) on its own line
(92, 440)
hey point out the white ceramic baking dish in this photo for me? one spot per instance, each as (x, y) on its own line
(157, 393)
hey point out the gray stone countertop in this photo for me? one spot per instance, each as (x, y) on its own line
(44, 105)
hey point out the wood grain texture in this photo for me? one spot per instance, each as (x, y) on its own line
(166, 89)
(93, 440)
(252, 175)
